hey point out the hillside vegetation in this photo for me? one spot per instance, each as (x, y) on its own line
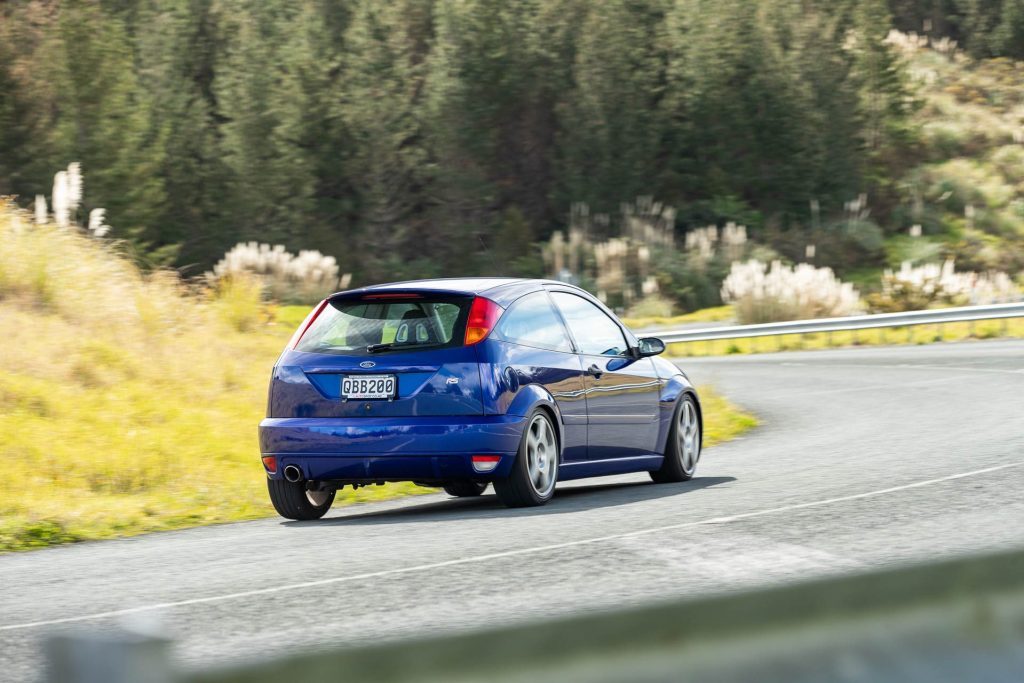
(967, 190)
(423, 137)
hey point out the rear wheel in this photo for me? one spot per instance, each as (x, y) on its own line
(465, 489)
(294, 501)
(535, 470)
(683, 449)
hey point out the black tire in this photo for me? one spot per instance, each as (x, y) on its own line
(680, 463)
(465, 489)
(292, 502)
(519, 489)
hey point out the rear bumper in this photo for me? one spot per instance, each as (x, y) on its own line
(391, 449)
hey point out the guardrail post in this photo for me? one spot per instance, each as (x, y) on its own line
(116, 657)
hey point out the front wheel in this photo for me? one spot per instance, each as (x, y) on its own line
(683, 449)
(294, 501)
(465, 489)
(535, 470)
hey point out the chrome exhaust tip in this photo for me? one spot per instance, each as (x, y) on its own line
(293, 474)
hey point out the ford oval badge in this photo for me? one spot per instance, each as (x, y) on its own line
(367, 364)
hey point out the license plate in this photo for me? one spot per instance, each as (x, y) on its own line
(368, 386)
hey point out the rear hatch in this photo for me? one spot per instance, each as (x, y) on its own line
(393, 354)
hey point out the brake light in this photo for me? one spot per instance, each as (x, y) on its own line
(483, 313)
(397, 295)
(306, 323)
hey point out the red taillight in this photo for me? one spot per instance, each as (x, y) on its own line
(483, 313)
(270, 462)
(306, 323)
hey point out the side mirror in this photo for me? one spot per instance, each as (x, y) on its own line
(650, 346)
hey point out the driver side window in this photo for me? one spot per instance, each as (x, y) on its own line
(595, 333)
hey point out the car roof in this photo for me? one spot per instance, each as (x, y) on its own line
(502, 290)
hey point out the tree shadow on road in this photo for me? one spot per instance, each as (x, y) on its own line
(571, 498)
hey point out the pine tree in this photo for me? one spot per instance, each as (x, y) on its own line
(1008, 37)
(177, 54)
(511, 65)
(741, 114)
(22, 121)
(884, 102)
(381, 110)
(272, 186)
(813, 44)
(978, 23)
(313, 59)
(610, 123)
(103, 118)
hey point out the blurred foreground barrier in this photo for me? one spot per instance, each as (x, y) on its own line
(960, 620)
(853, 322)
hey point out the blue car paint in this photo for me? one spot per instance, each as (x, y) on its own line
(376, 448)
(518, 378)
(432, 428)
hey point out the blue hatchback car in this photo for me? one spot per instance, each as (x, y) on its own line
(461, 383)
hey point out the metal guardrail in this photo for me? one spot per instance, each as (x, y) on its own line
(938, 623)
(857, 322)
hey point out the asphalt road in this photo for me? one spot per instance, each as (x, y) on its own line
(865, 458)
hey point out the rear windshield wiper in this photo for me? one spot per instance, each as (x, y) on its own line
(374, 348)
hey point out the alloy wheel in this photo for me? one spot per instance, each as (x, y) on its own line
(541, 455)
(688, 434)
(317, 498)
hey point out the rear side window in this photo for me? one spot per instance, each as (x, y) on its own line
(362, 326)
(531, 321)
(594, 331)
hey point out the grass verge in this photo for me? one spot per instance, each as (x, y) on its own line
(723, 420)
(705, 315)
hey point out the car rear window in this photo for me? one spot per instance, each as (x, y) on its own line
(365, 326)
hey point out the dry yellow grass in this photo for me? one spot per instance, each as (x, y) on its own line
(126, 403)
(722, 419)
(705, 315)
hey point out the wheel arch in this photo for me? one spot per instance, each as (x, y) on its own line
(529, 398)
(674, 389)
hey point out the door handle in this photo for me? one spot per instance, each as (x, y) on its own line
(595, 371)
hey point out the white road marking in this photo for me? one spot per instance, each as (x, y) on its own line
(495, 556)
